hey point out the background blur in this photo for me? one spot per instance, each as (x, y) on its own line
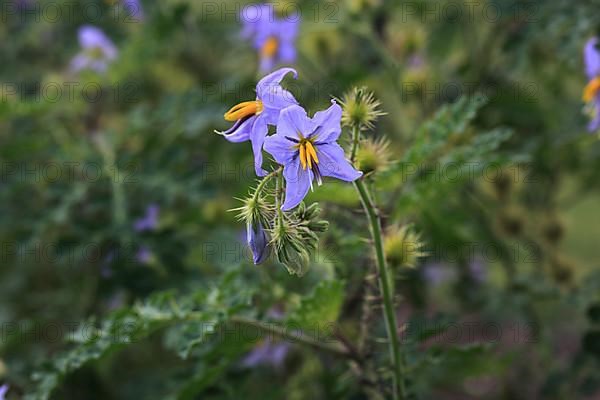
(115, 195)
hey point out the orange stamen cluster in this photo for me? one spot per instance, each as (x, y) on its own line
(591, 89)
(243, 110)
(270, 47)
(308, 154)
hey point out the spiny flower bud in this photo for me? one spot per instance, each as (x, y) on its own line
(562, 270)
(373, 156)
(319, 226)
(360, 6)
(402, 246)
(308, 224)
(553, 231)
(360, 108)
(295, 235)
(503, 185)
(256, 213)
(511, 221)
(296, 262)
(289, 247)
(254, 209)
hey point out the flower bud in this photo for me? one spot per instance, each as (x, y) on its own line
(402, 246)
(256, 213)
(360, 108)
(257, 241)
(563, 270)
(373, 156)
(312, 211)
(296, 262)
(511, 221)
(553, 231)
(319, 226)
(361, 6)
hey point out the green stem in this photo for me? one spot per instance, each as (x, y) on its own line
(355, 140)
(386, 288)
(278, 192)
(264, 182)
(293, 336)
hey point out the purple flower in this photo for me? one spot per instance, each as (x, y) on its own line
(258, 242)
(591, 58)
(307, 149)
(478, 270)
(591, 92)
(134, 9)
(3, 390)
(253, 16)
(144, 255)
(273, 38)
(267, 353)
(438, 273)
(98, 51)
(253, 117)
(149, 221)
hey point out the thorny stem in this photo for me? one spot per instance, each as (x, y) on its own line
(278, 192)
(355, 140)
(384, 280)
(293, 336)
(264, 182)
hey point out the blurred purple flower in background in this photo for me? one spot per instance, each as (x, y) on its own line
(253, 16)
(144, 255)
(437, 273)
(149, 221)
(591, 58)
(591, 92)
(22, 5)
(134, 9)
(415, 61)
(273, 37)
(105, 267)
(267, 353)
(478, 269)
(98, 51)
(3, 390)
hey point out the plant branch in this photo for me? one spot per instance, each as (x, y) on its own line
(383, 273)
(385, 287)
(355, 140)
(294, 336)
(264, 182)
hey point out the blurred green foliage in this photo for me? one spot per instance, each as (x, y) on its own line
(491, 164)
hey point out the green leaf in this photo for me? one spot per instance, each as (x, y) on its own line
(433, 136)
(321, 307)
(190, 319)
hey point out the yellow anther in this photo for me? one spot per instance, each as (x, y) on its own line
(243, 110)
(308, 154)
(270, 47)
(303, 156)
(591, 89)
(311, 152)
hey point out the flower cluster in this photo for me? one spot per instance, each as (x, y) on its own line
(307, 150)
(271, 36)
(591, 92)
(3, 390)
(98, 51)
